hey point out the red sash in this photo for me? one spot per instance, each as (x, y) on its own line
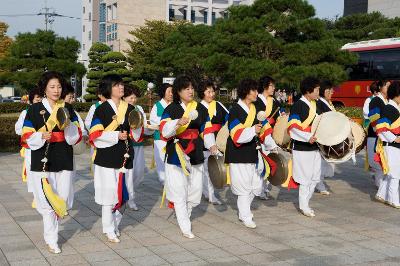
(190, 134)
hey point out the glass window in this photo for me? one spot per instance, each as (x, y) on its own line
(102, 12)
(90, 16)
(83, 11)
(184, 14)
(90, 35)
(380, 64)
(213, 18)
(205, 17)
(193, 16)
(83, 46)
(83, 28)
(102, 32)
(171, 14)
(115, 35)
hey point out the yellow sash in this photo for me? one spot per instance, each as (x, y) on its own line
(52, 120)
(248, 123)
(290, 173)
(268, 109)
(212, 108)
(191, 106)
(381, 152)
(311, 115)
(121, 111)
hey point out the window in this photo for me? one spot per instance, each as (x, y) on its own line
(83, 28)
(108, 28)
(83, 47)
(102, 12)
(90, 35)
(184, 14)
(213, 18)
(102, 32)
(90, 1)
(171, 14)
(115, 26)
(90, 16)
(115, 35)
(193, 16)
(226, 15)
(114, 11)
(205, 17)
(109, 13)
(83, 10)
(379, 64)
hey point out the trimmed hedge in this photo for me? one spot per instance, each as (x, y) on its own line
(352, 112)
(8, 108)
(9, 141)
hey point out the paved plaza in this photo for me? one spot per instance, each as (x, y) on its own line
(350, 228)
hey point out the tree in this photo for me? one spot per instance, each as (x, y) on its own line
(5, 41)
(281, 38)
(33, 53)
(96, 69)
(115, 63)
(360, 27)
(147, 41)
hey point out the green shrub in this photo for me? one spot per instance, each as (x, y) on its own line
(353, 112)
(8, 108)
(9, 141)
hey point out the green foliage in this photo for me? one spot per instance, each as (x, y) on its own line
(352, 112)
(281, 38)
(9, 141)
(33, 53)
(8, 108)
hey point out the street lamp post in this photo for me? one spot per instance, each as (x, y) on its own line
(150, 86)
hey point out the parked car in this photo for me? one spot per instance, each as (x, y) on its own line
(16, 99)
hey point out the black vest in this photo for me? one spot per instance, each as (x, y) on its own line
(113, 157)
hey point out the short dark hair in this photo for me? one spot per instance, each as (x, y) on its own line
(381, 83)
(32, 93)
(394, 90)
(180, 83)
(325, 85)
(245, 86)
(308, 85)
(162, 89)
(106, 84)
(264, 82)
(46, 77)
(203, 86)
(67, 89)
(374, 87)
(131, 89)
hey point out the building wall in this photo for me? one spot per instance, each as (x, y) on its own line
(130, 15)
(355, 6)
(389, 8)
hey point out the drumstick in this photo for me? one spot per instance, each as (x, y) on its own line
(277, 109)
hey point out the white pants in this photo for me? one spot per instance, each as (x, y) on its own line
(27, 162)
(159, 156)
(245, 183)
(306, 172)
(305, 193)
(184, 191)
(208, 188)
(106, 185)
(376, 169)
(389, 186)
(110, 220)
(327, 170)
(244, 207)
(62, 185)
(138, 172)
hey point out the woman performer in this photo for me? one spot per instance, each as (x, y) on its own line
(241, 149)
(182, 125)
(324, 104)
(388, 130)
(34, 97)
(218, 116)
(131, 93)
(272, 108)
(165, 93)
(113, 158)
(51, 153)
(306, 156)
(375, 107)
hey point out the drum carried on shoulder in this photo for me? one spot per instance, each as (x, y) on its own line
(338, 137)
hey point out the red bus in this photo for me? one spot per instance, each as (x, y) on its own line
(378, 59)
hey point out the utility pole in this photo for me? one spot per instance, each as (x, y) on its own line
(48, 14)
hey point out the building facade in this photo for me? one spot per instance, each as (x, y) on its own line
(389, 8)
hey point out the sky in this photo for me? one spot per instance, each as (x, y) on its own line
(72, 27)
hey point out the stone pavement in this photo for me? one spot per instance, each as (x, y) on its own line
(350, 228)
